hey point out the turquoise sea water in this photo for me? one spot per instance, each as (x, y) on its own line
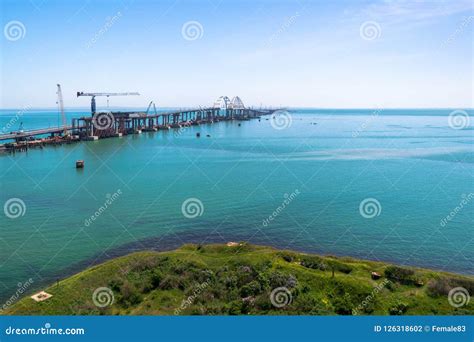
(324, 165)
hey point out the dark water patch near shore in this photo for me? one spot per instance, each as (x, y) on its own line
(168, 242)
(173, 241)
(163, 243)
(157, 243)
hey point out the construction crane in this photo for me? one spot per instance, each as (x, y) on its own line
(61, 109)
(149, 106)
(93, 95)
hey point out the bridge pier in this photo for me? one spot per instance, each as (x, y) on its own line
(123, 123)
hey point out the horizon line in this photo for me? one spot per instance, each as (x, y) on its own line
(27, 108)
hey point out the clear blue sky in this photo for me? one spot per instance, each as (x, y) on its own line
(292, 53)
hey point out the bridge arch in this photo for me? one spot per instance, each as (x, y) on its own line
(222, 102)
(237, 103)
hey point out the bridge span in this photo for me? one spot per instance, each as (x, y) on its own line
(106, 124)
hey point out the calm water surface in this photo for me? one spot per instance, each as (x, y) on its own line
(416, 166)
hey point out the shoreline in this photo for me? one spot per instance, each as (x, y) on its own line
(171, 242)
(158, 283)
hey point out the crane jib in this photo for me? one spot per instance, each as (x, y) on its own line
(93, 95)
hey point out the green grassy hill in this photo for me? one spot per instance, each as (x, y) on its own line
(246, 279)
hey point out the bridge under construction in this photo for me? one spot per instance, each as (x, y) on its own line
(106, 124)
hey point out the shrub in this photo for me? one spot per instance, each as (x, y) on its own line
(115, 284)
(278, 279)
(263, 303)
(398, 309)
(156, 277)
(245, 269)
(245, 274)
(314, 262)
(287, 256)
(202, 276)
(162, 260)
(369, 306)
(305, 288)
(442, 286)
(262, 279)
(402, 275)
(468, 284)
(438, 287)
(180, 267)
(251, 289)
(230, 282)
(346, 297)
(390, 285)
(140, 265)
(262, 266)
(306, 304)
(170, 282)
(148, 280)
(340, 267)
(129, 295)
(342, 304)
(247, 306)
(234, 308)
